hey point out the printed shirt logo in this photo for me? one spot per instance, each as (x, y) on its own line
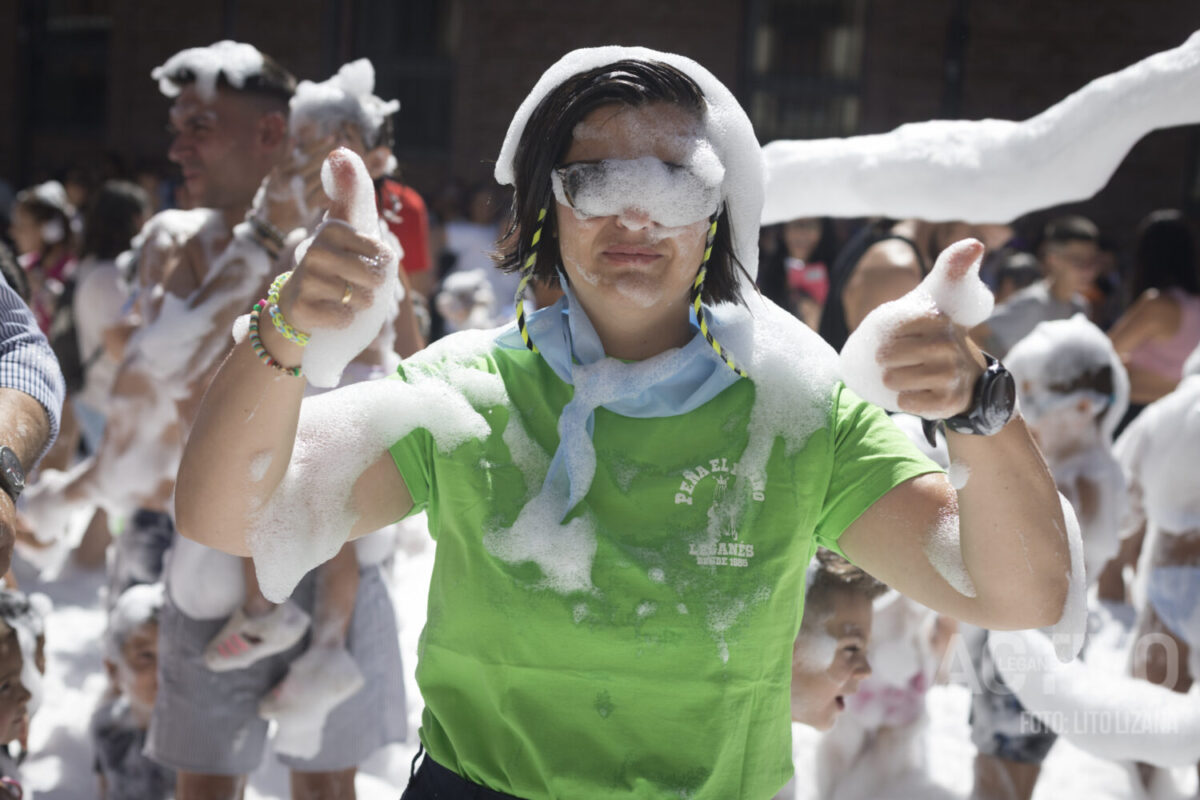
(720, 548)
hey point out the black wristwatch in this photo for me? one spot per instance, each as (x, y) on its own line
(12, 474)
(992, 405)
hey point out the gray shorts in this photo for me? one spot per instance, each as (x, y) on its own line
(207, 722)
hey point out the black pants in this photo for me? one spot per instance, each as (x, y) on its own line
(432, 781)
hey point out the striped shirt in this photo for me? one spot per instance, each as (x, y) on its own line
(26, 361)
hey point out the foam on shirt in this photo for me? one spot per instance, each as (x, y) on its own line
(340, 434)
(987, 170)
(237, 61)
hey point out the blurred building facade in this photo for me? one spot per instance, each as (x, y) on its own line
(78, 90)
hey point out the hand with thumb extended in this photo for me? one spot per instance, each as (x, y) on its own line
(914, 354)
(345, 276)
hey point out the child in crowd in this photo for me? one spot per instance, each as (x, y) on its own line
(829, 657)
(1073, 391)
(118, 726)
(22, 662)
(343, 112)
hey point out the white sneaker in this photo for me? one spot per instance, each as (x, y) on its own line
(244, 640)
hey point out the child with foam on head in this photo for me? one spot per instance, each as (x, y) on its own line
(118, 725)
(22, 663)
(829, 657)
(341, 111)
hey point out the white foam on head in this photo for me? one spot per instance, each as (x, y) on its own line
(1131, 719)
(1056, 353)
(237, 61)
(952, 288)
(136, 606)
(347, 97)
(726, 126)
(329, 350)
(987, 170)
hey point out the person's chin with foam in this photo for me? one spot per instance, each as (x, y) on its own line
(829, 657)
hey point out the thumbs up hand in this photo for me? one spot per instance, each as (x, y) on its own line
(345, 276)
(914, 354)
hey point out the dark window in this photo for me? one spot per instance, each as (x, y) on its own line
(804, 67)
(69, 66)
(410, 45)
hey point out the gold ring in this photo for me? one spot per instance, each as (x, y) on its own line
(347, 292)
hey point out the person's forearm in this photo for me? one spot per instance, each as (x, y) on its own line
(24, 425)
(239, 446)
(1013, 536)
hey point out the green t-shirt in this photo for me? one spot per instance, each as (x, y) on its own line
(670, 675)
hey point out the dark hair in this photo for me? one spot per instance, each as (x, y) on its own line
(834, 572)
(772, 267)
(272, 83)
(43, 212)
(112, 219)
(547, 137)
(1072, 228)
(1018, 266)
(1165, 254)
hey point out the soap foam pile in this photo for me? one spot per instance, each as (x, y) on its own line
(234, 60)
(348, 184)
(342, 433)
(726, 126)
(987, 170)
(952, 288)
(1159, 726)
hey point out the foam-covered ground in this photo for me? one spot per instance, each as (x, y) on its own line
(59, 766)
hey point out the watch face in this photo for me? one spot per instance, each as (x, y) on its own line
(998, 401)
(13, 475)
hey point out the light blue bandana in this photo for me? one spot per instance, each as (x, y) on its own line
(673, 382)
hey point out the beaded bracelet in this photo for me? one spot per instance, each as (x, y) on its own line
(285, 329)
(257, 346)
(277, 287)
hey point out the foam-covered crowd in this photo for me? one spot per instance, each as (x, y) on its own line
(715, 442)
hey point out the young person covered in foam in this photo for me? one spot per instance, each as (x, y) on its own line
(636, 499)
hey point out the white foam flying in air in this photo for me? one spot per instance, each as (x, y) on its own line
(987, 170)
